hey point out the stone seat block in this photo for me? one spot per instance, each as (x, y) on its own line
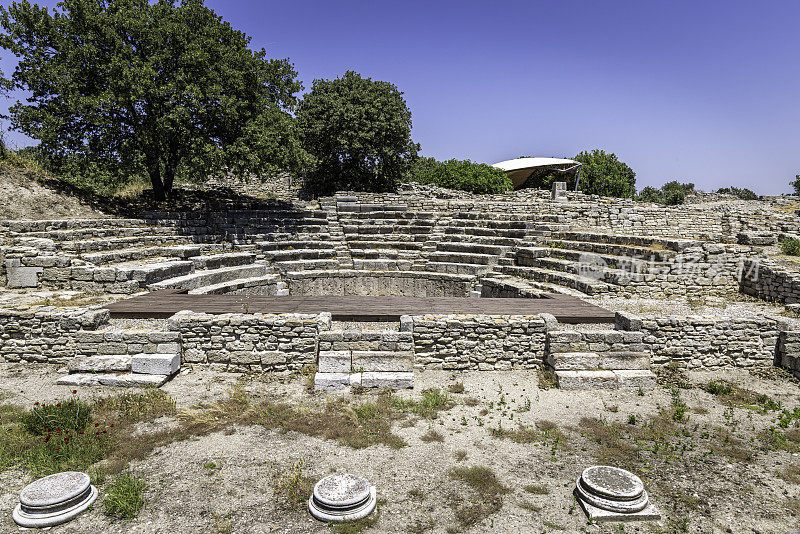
(573, 361)
(636, 379)
(388, 380)
(589, 380)
(624, 360)
(100, 364)
(334, 361)
(331, 381)
(156, 364)
(383, 361)
(112, 380)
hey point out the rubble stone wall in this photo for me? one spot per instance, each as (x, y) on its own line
(479, 342)
(44, 333)
(771, 282)
(240, 342)
(788, 355)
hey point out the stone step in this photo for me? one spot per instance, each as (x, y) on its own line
(596, 271)
(117, 243)
(150, 273)
(574, 281)
(134, 254)
(307, 265)
(45, 225)
(614, 249)
(293, 244)
(356, 244)
(613, 261)
(334, 361)
(647, 242)
(382, 361)
(382, 264)
(381, 229)
(472, 248)
(479, 239)
(454, 268)
(463, 257)
(156, 364)
(589, 361)
(78, 234)
(606, 379)
(390, 380)
(225, 259)
(488, 232)
(112, 380)
(211, 277)
(299, 254)
(271, 284)
(100, 364)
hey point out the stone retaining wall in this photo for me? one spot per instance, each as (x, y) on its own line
(788, 355)
(378, 283)
(479, 342)
(766, 280)
(704, 343)
(126, 342)
(44, 333)
(241, 342)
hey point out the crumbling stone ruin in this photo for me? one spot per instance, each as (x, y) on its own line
(418, 242)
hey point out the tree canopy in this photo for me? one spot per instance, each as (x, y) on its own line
(359, 132)
(465, 175)
(130, 87)
(603, 174)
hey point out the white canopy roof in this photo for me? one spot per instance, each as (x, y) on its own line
(530, 163)
(520, 170)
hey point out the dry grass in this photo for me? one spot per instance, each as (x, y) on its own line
(458, 387)
(431, 436)
(485, 498)
(547, 379)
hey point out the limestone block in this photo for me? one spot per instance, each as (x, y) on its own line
(20, 277)
(624, 360)
(156, 364)
(591, 380)
(573, 361)
(636, 379)
(388, 380)
(383, 361)
(334, 361)
(331, 381)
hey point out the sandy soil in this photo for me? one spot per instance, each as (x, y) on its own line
(184, 496)
(25, 196)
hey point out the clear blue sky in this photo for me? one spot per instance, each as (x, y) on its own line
(701, 91)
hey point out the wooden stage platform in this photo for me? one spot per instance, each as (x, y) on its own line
(162, 304)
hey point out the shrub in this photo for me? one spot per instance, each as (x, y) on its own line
(719, 388)
(64, 415)
(359, 131)
(603, 174)
(671, 193)
(124, 498)
(465, 175)
(791, 246)
(741, 194)
(796, 184)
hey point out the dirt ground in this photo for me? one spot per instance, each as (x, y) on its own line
(28, 196)
(696, 491)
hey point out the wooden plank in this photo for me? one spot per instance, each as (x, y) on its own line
(162, 304)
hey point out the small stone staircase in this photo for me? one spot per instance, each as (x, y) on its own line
(124, 358)
(370, 359)
(602, 359)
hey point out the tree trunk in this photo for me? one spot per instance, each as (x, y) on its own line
(159, 191)
(169, 179)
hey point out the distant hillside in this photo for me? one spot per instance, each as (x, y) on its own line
(26, 194)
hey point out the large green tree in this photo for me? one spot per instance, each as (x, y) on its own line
(359, 131)
(132, 87)
(603, 174)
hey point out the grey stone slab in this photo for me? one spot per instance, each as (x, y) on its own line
(636, 379)
(383, 361)
(100, 364)
(18, 276)
(331, 381)
(573, 361)
(612, 482)
(650, 513)
(156, 364)
(624, 360)
(590, 380)
(54, 489)
(334, 361)
(388, 380)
